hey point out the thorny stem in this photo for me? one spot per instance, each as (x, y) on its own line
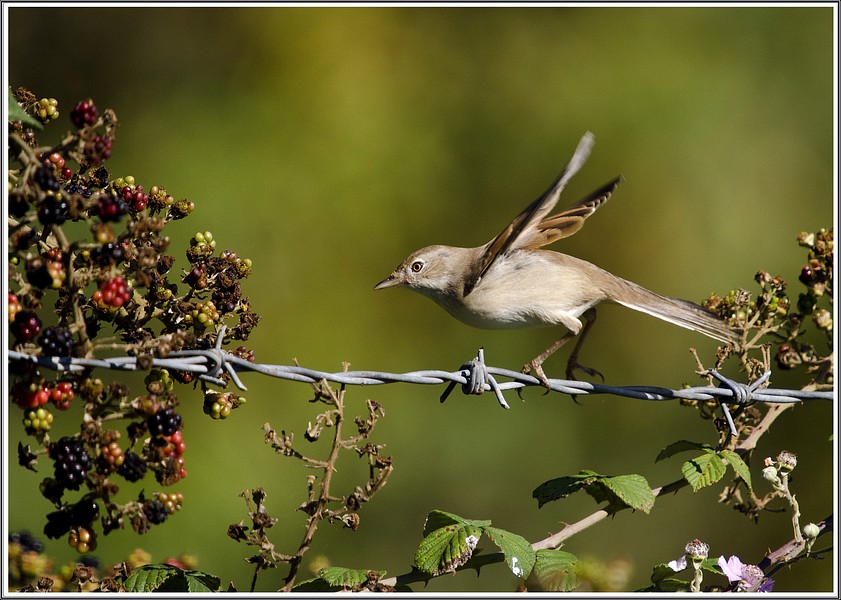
(324, 495)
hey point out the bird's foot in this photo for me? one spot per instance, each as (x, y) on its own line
(536, 367)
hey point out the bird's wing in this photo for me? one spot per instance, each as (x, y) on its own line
(522, 231)
(568, 222)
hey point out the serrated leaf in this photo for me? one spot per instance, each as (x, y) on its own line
(198, 581)
(17, 113)
(703, 471)
(316, 584)
(680, 446)
(345, 578)
(519, 555)
(631, 490)
(739, 466)
(447, 548)
(555, 570)
(436, 519)
(561, 487)
(148, 578)
(661, 572)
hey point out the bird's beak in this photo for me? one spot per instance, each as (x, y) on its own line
(390, 281)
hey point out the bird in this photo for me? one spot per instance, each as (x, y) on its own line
(512, 282)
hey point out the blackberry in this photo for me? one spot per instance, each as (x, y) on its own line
(133, 467)
(53, 210)
(84, 113)
(18, 204)
(164, 422)
(37, 273)
(155, 511)
(72, 462)
(44, 177)
(107, 254)
(26, 326)
(110, 208)
(57, 341)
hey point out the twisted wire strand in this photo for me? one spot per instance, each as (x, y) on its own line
(475, 378)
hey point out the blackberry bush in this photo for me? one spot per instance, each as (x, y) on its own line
(90, 268)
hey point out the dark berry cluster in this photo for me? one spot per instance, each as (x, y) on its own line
(44, 178)
(107, 254)
(111, 208)
(72, 462)
(57, 341)
(53, 211)
(155, 511)
(164, 422)
(84, 113)
(133, 467)
(26, 326)
(98, 150)
(81, 514)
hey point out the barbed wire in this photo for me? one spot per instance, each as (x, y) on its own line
(475, 377)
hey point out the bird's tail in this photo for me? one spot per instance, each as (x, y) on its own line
(674, 310)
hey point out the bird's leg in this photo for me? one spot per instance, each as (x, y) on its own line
(572, 364)
(536, 363)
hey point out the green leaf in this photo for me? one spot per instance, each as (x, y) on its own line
(664, 580)
(555, 571)
(16, 113)
(519, 555)
(703, 471)
(561, 487)
(680, 446)
(166, 578)
(632, 490)
(448, 543)
(739, 466)
(346, 578)
(437, 519)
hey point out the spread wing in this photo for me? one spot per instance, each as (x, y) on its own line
(568, 222)
(527, 229)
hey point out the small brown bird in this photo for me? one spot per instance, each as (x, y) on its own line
(511, 283)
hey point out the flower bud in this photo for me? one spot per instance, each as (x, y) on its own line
(786, 461)
(696, 549)
(811, 531)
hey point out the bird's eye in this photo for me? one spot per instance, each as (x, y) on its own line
(417, 266)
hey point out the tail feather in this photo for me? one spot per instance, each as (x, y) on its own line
(673, 310)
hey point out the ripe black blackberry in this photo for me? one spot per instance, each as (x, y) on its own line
(164, 422)
(57, 341)
(72, 462)
(107, 254)
(45, 179)
(133, 467)
(52, 210)
(155, 511)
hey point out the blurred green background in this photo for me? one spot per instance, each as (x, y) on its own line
(328, 143)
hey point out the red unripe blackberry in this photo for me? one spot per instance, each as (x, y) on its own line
(26, 326)
(84, 113)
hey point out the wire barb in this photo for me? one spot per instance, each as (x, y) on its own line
(742, 394)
